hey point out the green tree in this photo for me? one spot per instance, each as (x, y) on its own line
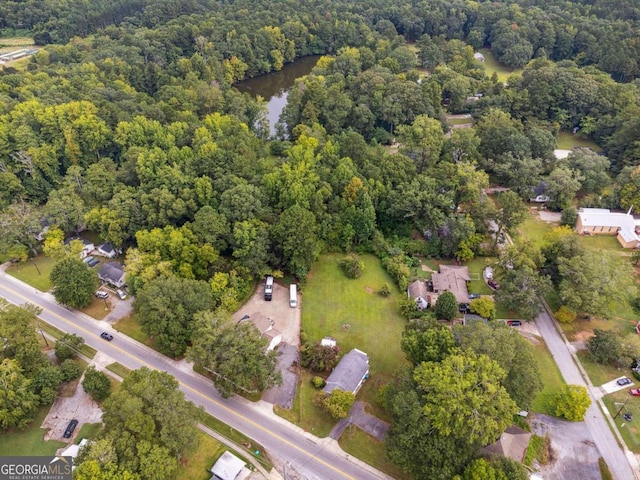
(446, 306)
(562, 185)
(338, 403)
(481, 469)
(68, 346)
(511, 212)
(45, 383)
(19, 223)
(318, 358)
(572, 403)
(17, 398)
(73, 282)
(70, 370)
(521, 289)
(234, 353)
(296, 240)
(426, 340)
(96, 384)
(20, 342)
(422, 141)
(351, 266)
(605, 346)
(484, 306)
(165, 308)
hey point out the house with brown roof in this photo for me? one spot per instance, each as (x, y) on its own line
(266, 327)
(452, 278)
(417, 291)
(512, 443)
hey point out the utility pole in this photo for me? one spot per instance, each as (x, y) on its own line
(621, 408)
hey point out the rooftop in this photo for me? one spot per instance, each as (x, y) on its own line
(452, 279)
(348, 374)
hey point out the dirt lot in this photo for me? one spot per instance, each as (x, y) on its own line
(287, 319)
(80, 406)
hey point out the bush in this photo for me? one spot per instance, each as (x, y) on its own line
(572, 403)
(396, 268)
(70, 370)
(96, 384)
(68, 346)
(408, 308)
(565, 315)
(318, 358)
(569, 216)
(352, 266)
(384, 291)
(317, 382)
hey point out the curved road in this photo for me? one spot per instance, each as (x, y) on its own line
(309, 456)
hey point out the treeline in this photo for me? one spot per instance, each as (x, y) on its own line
(601, 33)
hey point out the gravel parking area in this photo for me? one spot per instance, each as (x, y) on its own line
(80, 406)
(285, 394)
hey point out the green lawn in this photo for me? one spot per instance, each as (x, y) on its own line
(492, 65)
(601, 242)
(351, 312)
(88, 431)
(35, 272)
(534, 230)
(29, 441)
(357, 443)
(118, 369)
(98, 308)
(86, 350)
(551, 379)
(568, 140)
(459, 121)
(599, 373)
(130, 326)
(630, 430)
(197, 463)
(304, 413)
(476, 266)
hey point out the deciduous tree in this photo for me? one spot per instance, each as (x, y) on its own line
(572, 403)
(96, 384)
(17, 398)
(74, 284)
(446, 306)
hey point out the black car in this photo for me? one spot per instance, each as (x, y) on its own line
(70, 428)
(623, 381)
(514, 323)
(464, 308)
(107, 336)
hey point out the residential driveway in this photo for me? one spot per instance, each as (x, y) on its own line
(358, 417)
(285, 394)
(613, 386)
(573, 455)
(287, 319)
(121, 308)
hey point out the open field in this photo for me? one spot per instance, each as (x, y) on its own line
(118, 369)
(196, 464)
(355, 315)
(599, 373)
(15, 42)
(568, 140)
(304, 413)
(130, 327)
(492, 65)
(29, 441)
(551, 379)
(98, 308)
(630, 430)
(534, 230)
(357, 443)
(34, 272)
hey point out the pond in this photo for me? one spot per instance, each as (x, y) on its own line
(274, 87)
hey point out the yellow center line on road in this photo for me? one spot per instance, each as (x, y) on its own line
(233, 412)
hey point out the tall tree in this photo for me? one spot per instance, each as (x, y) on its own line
(73, 282)
(297, 240)
(234, 353)
(20, 342)
(17, 399)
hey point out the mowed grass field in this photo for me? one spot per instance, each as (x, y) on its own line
(492, 65)
(352, 312)
(34, 271)
(30, 440)
(568, 140)
(551, 379)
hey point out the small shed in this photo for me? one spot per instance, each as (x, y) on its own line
(479, 57)
(418, 291)
(229, 467)
(350, 374)
(329, 342)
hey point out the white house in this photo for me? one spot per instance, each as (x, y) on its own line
(113, 273)
(106, 250)
(229, 467)
(602, 221)
(87, 246)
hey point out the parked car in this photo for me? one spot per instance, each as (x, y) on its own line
(624, 381)
(473, 296)
(635, 392)
(464, 308)
(93, 263)
(70, 428)
(107, 336)
(514, 323)
(121, 294)
(88, 259)
(102, 294)
(493, 284)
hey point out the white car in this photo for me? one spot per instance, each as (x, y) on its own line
(121, 294)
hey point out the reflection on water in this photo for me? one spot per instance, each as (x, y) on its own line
(274, 87)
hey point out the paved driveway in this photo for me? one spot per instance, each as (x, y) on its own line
(285, 394)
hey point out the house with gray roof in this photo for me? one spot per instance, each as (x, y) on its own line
(112, 273)
(350, 374)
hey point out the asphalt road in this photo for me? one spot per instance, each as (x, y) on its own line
(594, 419)
(311, 457)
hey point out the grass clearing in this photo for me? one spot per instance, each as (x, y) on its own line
(118, 369)
(16, 42)
(30, 440)
(601, 242)
(237, 437)
(88, 431)
(552, 380)
(568, 140)
(130, 327)
(359, 444)
(599, 373)
(34, 272)
(351, 312)
(304, 413)
(197, 463)
(491, 66)
(535, 230)
(98, 309)
(630, 431)
(459, 121)
(605, 473)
